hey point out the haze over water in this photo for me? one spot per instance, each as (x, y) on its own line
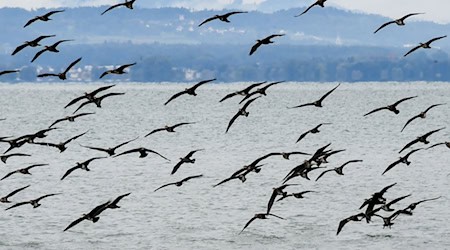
(197, 216)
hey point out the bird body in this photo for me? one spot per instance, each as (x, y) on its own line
(425, 45)
(223, 18)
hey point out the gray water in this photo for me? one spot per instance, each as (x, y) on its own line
(197, 216)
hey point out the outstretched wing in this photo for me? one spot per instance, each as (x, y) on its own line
(121, 68)
(248, 223)
(201, 83)
(232, 120)
(69, 171)
(176, 167)
(412, 14)
(38, 54)
(112, 7)
(312, 5)
(384, 25)
(115, 201)
(412, 50)
(342, 224)
(9, 174)
(326, 171)
(165, 185)
(175, 96)
(57, 121)
(391, 166)
(271, 201)
(226, 180)
(409, 144)
(328, 93)
(75, 137)
(154, 131)
(229, 96)
(402, 100)
(16, 191)
(409, 121)
(47, 75)
(302, 136)
(375, 110)
(302, 105)
(124, 143)
(208, 20)
(191, 177)
(128, 152)
(434, 39)
(31, 21)
(18, 204)
(72, 64)
(254, 48)
(75, 222)
(19, 48)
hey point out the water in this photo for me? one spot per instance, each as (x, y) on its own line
(197, 216)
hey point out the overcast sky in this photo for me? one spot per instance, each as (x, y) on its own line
(436, 10)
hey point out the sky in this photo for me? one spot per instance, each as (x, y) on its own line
(435, 10)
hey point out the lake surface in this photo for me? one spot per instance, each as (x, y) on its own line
(198, 216)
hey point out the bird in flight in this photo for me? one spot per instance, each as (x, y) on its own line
(113, 204)
(44, 18)
(89, 95)
(33, 43)
(422, 115)
(223, 18)
(5, 72)
(259, 216)
(62, 145)
(189, 91)
(425, 45)
(242, 112)
(243, 92)
(4, 199)
(81, 165)
(51, 48)
(93, 215)
(110, 151)
(4, 158)
(143, 152)
(63, 75)
(400, 21)
(127, 4)
(34, 203)
(97, 100)
(314, 130)
(403, 159)
(23, 170)
(69, 118)
(260, 42)
(186, 159)
(170, 129)
(118, 71)
(261, 91)
(392, 107)
(338, 170)
(318, 3)
(179, 183)
(422, 139)
(342, 223)
(317, 103)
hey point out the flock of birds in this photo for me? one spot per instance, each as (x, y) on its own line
(250, 95)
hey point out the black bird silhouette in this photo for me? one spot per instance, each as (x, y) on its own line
(4, 199)
(143, 152)
(186, 159)
(388, 220)
(33, 43)
(392, 107)
(318, 3)
(403, 159)
(296, 195)
(387, 207)
(377, 198)
(317, 103)
(128, 4)
(357, 217)
(277, 191)
(118, 71)
(179, 183)
(189, 91)
(29, 138)
(113, 204)
(62, 146)
(44, 18)
(4, 158)
(110, 151)
(338, 170)
(261, 91)
(170, 129)
(424, 45)
(259, 216)
(447, 143)
(5, 72)
(34, 203)
(63, 75)
(97, 100)
(223, 18)
(69, 118)
(93, 215)
(242, 112)
(263, 41)
(81, 165)
(400, 21)
(23, 170)
(422, 139)
(315, 130)
(89, 95)
(422, 115)
(243, 92)
(241, 173)
(51, 48)
(408, 210)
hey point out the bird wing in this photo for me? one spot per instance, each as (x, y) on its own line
(181, 124)
(192, 177)
(229, 96)
(303, 136)
(124, 143)
(128, 152)
(432, 106)
(60, 41)
(75, 222)
(431, 132)
(69, 171)
(246, 90)
(19, 48)
(254, 48)
(272, 36)
(105, 73)
(72, 64)
(248, 96)
(275, 216)
(384, 25)
(201, 83)
(386, 188)
(95, 148)
(47, 75)
(342, 224)
(232, 120)
(165, 185)
(8, 72)
(112, 7)
(348, 162)
(326, 171)
(434, 39)
(121, 68)
(82, 114)
(18, 204)
(175, 96)
(31, 21)
(410, 144)
(412, 14)
(38, 54)
(432, 199)
(208, 20)
(312, 5)
(45, 196)
(48, 144)
(302, 105)
(271, 201)
(75, 137)
(402, 100)
(99, 209)
(53, 12)
(9, 174)
(92, 159)
(248, 223)
(154, 131)
(37, 40)
(328, 93)
(101, 89)
(192, 153)
(437, 144)
(397, 200)
(82, 105)
(154, 152)
(108, 95)
(57, 121)
(174, 170)
(249, 102)
(375, 110)
(226, 180)
(409, 121)
(412, 50)
(75, 101)
(120, 197)
(16, 191)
